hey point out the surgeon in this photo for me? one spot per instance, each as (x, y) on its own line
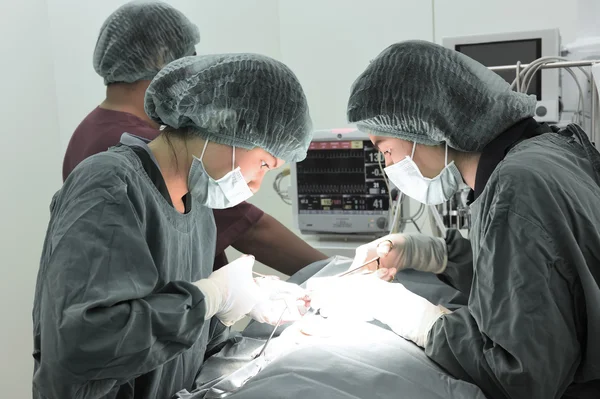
(135, 42)
(126, 295)
(532, 266)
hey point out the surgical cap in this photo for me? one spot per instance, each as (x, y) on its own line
(242, 100)
(140, 38)
(425, 93)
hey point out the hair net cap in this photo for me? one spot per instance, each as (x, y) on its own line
(140, 38)
(242, 100)
(425, 93)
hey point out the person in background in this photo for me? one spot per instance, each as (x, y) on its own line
(531, 268)
(126, 297)
(135, 42)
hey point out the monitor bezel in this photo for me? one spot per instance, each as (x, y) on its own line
(324, 220)
(550, 79)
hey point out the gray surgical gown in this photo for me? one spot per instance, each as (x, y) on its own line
(115, 310)
(532, 326)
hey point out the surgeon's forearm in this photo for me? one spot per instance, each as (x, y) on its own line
(276, 246)
(124, 338)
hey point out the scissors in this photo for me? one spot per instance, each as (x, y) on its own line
(356, 269)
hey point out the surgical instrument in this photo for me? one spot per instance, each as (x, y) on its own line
(272, 333)
(238, 378)
(376, 259)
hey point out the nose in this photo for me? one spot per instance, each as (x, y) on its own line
(255, 183)
(388, 160)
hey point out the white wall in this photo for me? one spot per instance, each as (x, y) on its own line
(253, 27)
(49, 85)
(30, 174)
(74, 28)
(329, 43)
(469, 17)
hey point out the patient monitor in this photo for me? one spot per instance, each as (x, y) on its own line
(340, 188)
(509, 48)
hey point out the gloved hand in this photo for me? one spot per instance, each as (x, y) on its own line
(406, 313)
(403, 251)
(368, 297)
(231, 292)
(279, 296)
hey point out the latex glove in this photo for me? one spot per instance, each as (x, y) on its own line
(406, 313)
(280, 297)
(368, 297)
(231, 292)
(403, 251)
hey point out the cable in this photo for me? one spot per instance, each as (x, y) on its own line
(391, 213)
(396, 213)
(544, 61)
(398, 220)
(518, 76)
(276, 186)
(525, 76)
(414, 218)
(581, 99)
(385, 179)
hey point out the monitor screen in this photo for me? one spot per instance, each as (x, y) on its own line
(507, 53)
(342, 177)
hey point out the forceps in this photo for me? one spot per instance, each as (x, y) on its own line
(272, 333)
(375, 259)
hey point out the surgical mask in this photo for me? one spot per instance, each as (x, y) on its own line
(226, 192)
(407, 177)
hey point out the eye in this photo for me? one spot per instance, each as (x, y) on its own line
(263, 164)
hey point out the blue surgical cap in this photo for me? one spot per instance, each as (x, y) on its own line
(428, 94)
(140, 38)
(242, 100)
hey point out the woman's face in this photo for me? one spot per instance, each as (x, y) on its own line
(254, 164)
(429, 159)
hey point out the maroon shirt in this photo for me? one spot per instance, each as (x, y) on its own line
(103, 128)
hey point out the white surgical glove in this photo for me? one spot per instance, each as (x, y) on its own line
(231, 292)
(406, 313)
(280, 298)
(368, 297)
(403, 251)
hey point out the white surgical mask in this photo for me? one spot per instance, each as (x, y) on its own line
(227, 192)
(408, 178)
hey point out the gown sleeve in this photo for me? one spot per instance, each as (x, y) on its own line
(459, 269)
(103, 314)
(517, 337)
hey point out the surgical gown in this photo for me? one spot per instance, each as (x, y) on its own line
(115, 313)
(532, 324)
